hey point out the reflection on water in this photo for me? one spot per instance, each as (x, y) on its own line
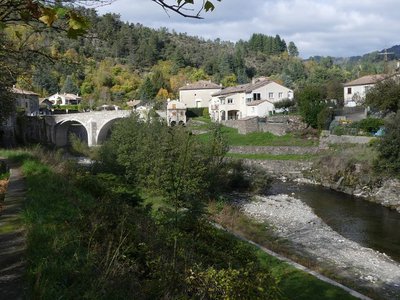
(366, 223)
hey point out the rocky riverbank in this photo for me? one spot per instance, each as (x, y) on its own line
(294, 221)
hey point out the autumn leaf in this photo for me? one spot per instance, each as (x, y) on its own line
(208, 6)
(49, 15)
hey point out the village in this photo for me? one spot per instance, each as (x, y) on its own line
(248, 108)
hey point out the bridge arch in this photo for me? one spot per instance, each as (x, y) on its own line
(105, 131)
(64, 128)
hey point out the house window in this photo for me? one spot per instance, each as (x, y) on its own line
(248, 100)
(230, 101)
(270, 95)
(256, 96)
(280, 95)
(222, 101)
(348, 91)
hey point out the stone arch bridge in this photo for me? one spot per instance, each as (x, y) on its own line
(90, 127)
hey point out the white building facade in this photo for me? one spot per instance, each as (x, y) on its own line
(198, 94)
(176, 113)
(65, 99)
(247, 100)
(356, 90)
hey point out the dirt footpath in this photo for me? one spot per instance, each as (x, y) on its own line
(12, 239)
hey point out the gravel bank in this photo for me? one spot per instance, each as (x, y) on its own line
(296, 222)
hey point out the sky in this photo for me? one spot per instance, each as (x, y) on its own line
(338, 28)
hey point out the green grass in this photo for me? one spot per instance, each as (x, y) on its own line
(296, 284)
(266, 156)
(59, 261)
(260, 139)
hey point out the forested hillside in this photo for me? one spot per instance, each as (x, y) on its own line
(118, 61)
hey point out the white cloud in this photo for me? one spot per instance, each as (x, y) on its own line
(318, 27)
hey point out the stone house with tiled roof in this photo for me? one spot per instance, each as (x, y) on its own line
(253, 99)
(198, 94)
(26, 101)
(356, 90)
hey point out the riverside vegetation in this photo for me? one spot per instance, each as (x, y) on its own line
(91, 234)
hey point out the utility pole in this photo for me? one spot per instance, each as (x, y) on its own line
(385, 65)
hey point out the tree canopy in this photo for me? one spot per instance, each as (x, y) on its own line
(385, 96)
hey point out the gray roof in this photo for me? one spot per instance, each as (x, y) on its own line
(23, 92)
(368, 79)
(200, 85)
(244, 88)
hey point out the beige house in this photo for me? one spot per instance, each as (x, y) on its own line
(26, 101)
(253, 99)
(65, 99)
(176, 113)
(198, 94)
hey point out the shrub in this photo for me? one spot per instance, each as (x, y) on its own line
(370, 125)
(206, 113)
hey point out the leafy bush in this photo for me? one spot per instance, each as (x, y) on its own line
(206, 113)
(389, 148)
(370, 125)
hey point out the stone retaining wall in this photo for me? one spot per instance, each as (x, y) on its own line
(326, 139)
(274, 150)
(282, 168)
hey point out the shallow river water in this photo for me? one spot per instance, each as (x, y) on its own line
(366, 223)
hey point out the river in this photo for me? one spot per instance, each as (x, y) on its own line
(369, 224)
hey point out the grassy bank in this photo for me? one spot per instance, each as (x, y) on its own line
(85, 242)
(233, 138)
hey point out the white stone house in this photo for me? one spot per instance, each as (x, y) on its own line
(65, 99)
(198, 94)
(176, 113)
(356, 90)
(253, 99)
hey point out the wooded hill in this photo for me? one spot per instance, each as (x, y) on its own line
(119, 61)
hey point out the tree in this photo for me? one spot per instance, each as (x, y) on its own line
(389, 147)
(69, 86)
(181, 7)
(384, 96)
(311, 101)
(292, 49)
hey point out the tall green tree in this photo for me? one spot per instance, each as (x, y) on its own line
(292, 50)
(311, 101)
(385, 96)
